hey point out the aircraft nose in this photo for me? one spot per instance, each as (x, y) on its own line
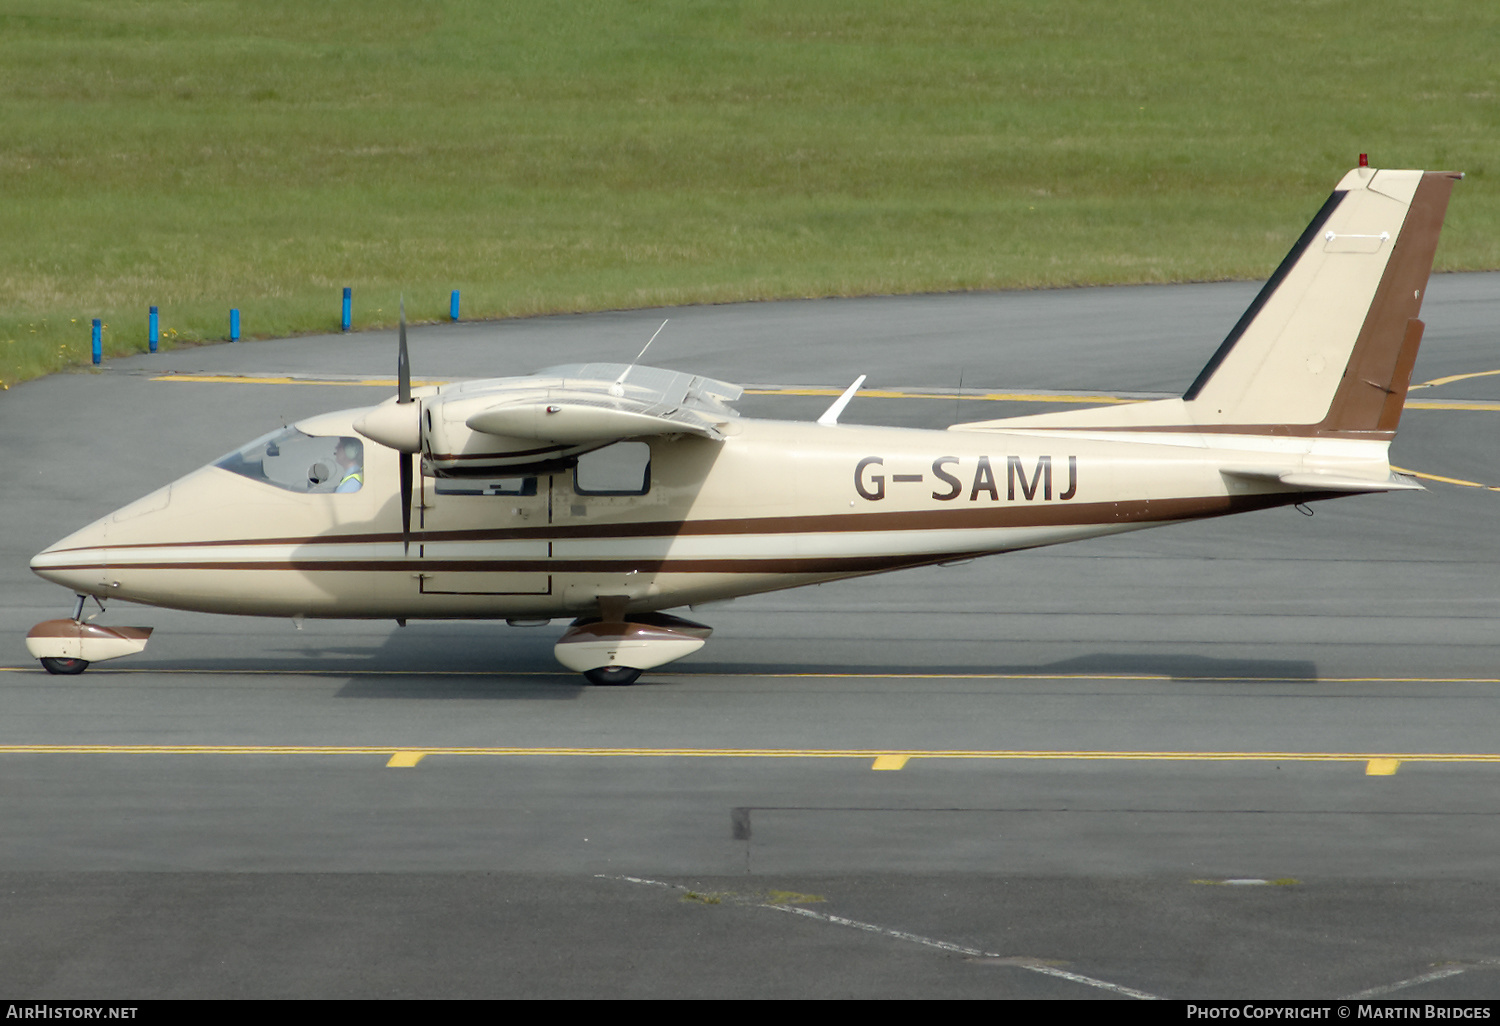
(80, 561)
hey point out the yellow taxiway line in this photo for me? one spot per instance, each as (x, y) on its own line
(409, 755)
(1456, 377)
(1014, 397)
(238, 379)
(1475, 405)
(1445, 480)
(866, 393)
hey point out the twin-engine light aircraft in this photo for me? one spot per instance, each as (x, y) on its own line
(609, 494)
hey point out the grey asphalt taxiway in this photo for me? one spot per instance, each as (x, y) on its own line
(1251, 757)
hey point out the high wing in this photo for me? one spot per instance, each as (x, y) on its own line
(550, 417)
(635, 402)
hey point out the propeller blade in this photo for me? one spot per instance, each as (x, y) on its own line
(403, 396)
(403, 362)
(406, 459)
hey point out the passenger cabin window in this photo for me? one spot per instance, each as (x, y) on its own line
(486, 486)
(291, 460)
(623, 468)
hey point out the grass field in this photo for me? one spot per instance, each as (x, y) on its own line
(572, 156)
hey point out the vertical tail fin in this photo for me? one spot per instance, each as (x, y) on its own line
(1328, 345)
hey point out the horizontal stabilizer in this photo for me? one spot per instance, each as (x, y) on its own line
(1325, 481)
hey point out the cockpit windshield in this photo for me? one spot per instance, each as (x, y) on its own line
(298, 462)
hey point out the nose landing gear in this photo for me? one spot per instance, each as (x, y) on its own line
(67, 647)
(64, 667)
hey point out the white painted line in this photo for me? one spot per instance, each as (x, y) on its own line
(957, 949)
(1032, 965)
(1436, 974)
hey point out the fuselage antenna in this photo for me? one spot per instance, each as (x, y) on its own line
(618, 388)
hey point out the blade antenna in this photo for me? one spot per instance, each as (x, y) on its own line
(831, 415)
(618, 388)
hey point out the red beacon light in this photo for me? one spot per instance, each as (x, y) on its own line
(1364, 160)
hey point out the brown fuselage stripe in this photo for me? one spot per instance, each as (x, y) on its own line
(772, 565)
(1054, 515)
(454, 457)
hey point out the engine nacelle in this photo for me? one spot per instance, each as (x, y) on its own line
(451, 446)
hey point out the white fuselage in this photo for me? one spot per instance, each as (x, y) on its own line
(773, 505)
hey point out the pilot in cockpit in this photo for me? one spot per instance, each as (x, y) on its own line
(350, 454)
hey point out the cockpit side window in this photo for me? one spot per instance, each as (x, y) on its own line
(296, 462)
(623, 468)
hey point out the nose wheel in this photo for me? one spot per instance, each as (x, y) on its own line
(617, 676)
(64, 667)
(68, 647)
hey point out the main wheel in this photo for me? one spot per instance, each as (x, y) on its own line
(616, 675)
(64, 667)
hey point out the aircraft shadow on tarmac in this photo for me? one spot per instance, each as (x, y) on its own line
(459, 660)
(503, 686)
(500, 676)
(1187, 666)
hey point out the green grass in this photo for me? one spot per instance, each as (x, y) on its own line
(559, 156)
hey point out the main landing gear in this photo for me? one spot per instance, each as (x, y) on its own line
(67, 647)
(615, 647)
(618, 676)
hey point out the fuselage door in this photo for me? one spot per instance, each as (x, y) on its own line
(484, 536)
(594, 506)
